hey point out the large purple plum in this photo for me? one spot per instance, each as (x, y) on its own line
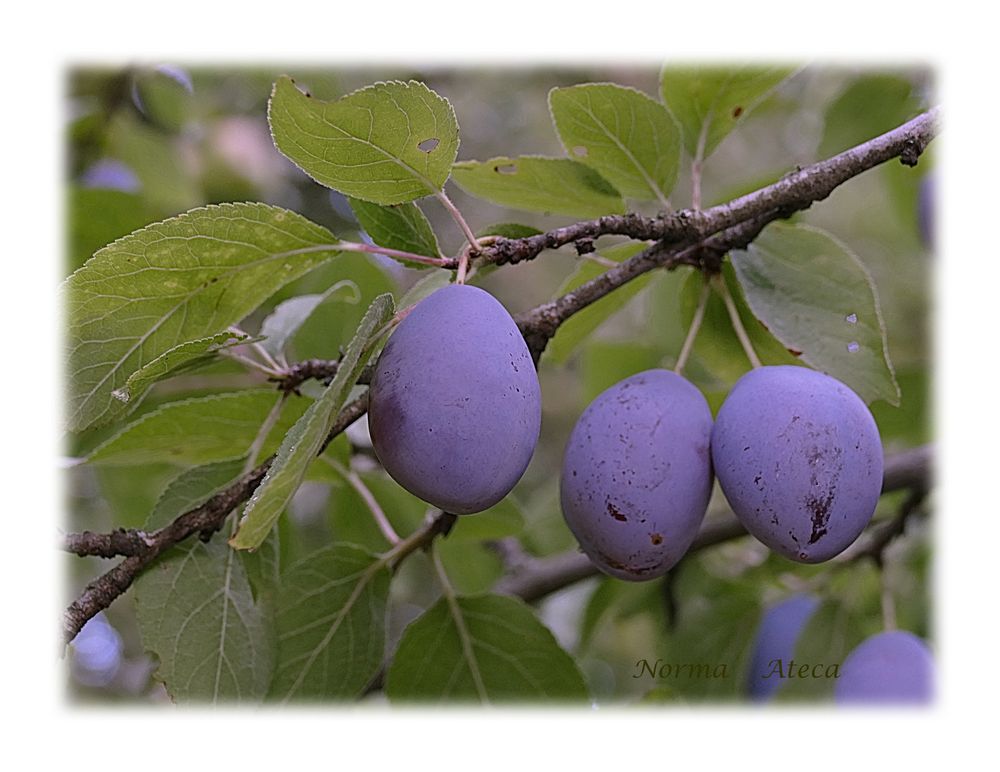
(799, 459)
(777, 635)
(893, 667)
(637, 474)
(454, 405)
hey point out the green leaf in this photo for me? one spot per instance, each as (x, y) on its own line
(709, 102)
(486, 648)
(388, 143)
(403, 227)
(303, 441)
(817, 297)
(871, 105)
(195, 607)
(537, 184)
(179, 359)
(579, 327)
(98, 216)
(628, 138)
(179, 280)
(287, 317)
(198, 431)
(331, 624)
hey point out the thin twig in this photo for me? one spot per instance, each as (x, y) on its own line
(699, 315)
(734, 316)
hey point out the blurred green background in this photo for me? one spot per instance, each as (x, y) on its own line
(145, 142)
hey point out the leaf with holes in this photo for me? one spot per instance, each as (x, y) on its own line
(537, 184)
(288, 316)
(303, 441)
(403, 227)
(179, 359)
(817, 297)
(196, 610)
(331, 624)
(200, 430)
(628, 138)
(388, 143)
(486, 648)
(581, 325)
(709, 102)
(178, 280)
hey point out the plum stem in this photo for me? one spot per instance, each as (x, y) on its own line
(734, 316)
(699, 315)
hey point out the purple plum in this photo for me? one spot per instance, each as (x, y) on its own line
(799, 458)
(455, 405)
(637, 474)
(893, 667)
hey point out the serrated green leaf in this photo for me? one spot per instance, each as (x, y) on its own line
(196, 431)
(388, 143)
(287, 317)
(195, 607)
(631, 140)
(817, 297)
(331, 624)
(179, 359)
(178, 280)
(486, 648)
(403, 227)
(709, 102)
(578, 327)
(537, 184)
(303, 440)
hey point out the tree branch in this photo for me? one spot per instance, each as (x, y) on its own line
(538, 577)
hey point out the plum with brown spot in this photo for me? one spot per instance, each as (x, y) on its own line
(799, 459)
(636, 475)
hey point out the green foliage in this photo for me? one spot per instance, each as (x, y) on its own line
(179, 280)
(709, 102)
(197, 431)
(288, 317)
(818, 298)
(403, 227)
(304, 439)
(388, 144)
(196, 609)
(331, 624)
(487, 648)
(628, 138)
(537, 184)
(98, 216)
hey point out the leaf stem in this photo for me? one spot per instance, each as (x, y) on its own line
(699, 315)
(351, 246)
(734, 317)
(253, 364)
(456, 215)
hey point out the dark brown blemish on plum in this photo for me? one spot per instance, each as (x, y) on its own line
(819, 508)
(616, 513)
(655, 539)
